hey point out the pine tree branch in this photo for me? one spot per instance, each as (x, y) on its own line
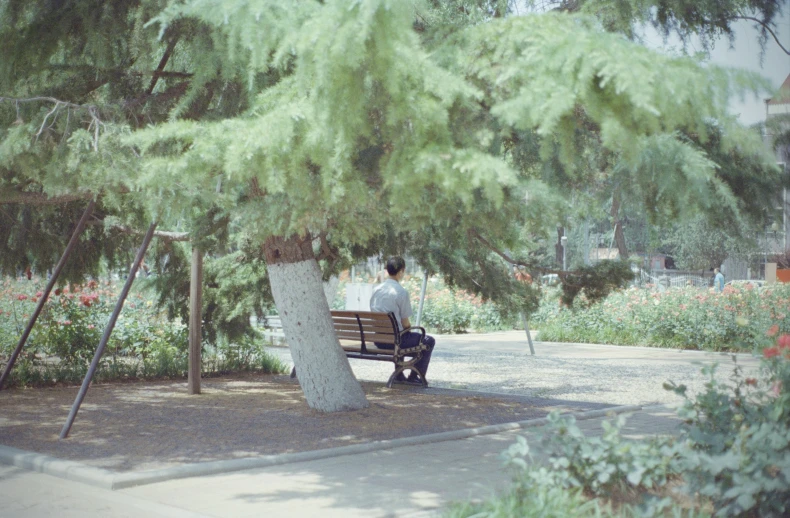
(162, 65)
(327, 252)
(40, 199)
(161, 234)
(766, 28)
(474, 233)
(48, 99)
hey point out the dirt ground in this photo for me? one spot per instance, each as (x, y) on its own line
(148, 425)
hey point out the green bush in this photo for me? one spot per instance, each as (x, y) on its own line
(736, 447)
(688, 318)
(732, 457)
(144, 344)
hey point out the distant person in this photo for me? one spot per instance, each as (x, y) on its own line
(391, 297)
(381, 276)
(718, 280)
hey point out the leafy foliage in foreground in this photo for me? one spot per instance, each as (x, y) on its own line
(736, 448)
(732, 456)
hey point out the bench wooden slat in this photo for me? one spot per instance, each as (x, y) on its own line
(362, 314)
(366, 328)
(369, 339)
(355, 348)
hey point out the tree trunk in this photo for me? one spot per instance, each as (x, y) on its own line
(330, 289)
(619, 237)
(322, 368)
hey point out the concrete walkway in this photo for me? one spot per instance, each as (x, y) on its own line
(417, 480)
(411, 481)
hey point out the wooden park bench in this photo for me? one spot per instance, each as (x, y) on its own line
(360, 331)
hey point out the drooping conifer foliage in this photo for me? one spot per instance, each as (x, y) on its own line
(458, 132)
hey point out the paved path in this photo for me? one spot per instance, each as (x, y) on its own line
(409, 482)
(611, 374)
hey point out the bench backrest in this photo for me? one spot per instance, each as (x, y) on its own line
(366, 327)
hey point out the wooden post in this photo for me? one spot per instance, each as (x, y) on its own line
(75, 237)
(422, 297)
(195, 322)
(107, 332)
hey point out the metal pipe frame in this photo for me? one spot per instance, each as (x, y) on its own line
(107, 332)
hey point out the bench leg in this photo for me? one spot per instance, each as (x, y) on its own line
(398, 370)
(293, 372)
(423, 381)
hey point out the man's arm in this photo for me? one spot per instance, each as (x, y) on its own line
(406, 323)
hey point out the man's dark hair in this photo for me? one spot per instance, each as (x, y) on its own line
(395, 264)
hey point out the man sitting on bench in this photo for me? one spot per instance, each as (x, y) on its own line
(391, 297)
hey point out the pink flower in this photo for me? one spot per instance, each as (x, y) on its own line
(773, 330)
(21, 297)
(783, 342)
(770, 352)
(91, 326)
(39, 294)
(66, 322)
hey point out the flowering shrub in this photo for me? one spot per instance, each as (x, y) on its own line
(688, 318)
(144, 343)
(74, 317)
(732, 456)
(737, 443)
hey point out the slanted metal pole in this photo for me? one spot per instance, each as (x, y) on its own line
(422, 296)
(75, 237)
(529, 337)
(195, 322)
(108, 331)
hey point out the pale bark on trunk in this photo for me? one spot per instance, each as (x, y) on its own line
(322, 368)
(330, 289)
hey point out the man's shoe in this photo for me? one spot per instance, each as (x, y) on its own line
(415, 378)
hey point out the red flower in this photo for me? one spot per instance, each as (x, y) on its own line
(21, 297)
(773, 330)
(771, 352)
(58, 292)
(783, 342)
(751, 381)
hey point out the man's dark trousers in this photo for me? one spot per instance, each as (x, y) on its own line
(412, 339)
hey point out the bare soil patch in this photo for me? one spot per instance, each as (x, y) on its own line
(148, 425)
